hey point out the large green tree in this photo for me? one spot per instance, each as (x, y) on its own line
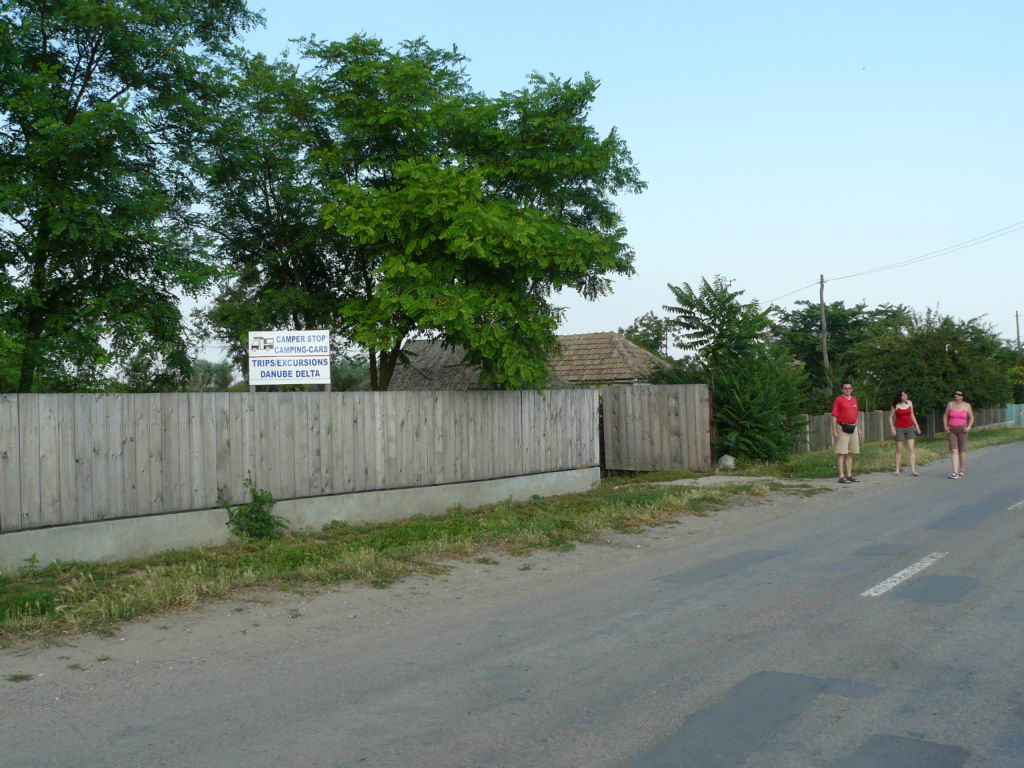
(711, 323)
(930, 355)
(468, 211)
(800, 330)
(100, 106)
(283, 268)
(757, 387)
(449, 212)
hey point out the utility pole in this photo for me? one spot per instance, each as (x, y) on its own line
(1016, 316)
(824, 332)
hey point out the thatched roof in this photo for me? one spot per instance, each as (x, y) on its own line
(603, 358)
(588, 358)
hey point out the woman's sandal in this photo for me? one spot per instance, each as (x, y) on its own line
(954, 476)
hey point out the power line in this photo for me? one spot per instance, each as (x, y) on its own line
(993, 235)
(804, 288)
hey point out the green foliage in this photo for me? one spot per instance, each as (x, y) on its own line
(1016, 374)
(685, 370)
(348, 371)
(758, 404)
(757, 388)
(711, 323)
(285, 269)
(24, 600)
(930, 355)
(208, 376)
(800, 331)
(447, 212)
(650, 332)
(100, 104)
(253, 520)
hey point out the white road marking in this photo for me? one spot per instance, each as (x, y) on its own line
(906, 573)
(1018, 504)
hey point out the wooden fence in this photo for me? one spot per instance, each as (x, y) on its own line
(818, 431)
(76, 458)
(649, 428)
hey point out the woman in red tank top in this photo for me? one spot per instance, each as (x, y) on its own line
(904, 426)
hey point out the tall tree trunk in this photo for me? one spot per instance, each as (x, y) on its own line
(34, 322)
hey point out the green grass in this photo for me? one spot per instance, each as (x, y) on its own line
(876, 457)
(65, 598)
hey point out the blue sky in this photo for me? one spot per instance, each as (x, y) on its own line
(779, 140)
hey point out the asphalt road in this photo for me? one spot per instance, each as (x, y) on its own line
(876, 625)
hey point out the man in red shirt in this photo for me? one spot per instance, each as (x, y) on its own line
(847, 432)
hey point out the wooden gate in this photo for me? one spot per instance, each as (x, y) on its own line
(657, 427)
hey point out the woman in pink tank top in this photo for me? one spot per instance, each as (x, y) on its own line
(958, 420)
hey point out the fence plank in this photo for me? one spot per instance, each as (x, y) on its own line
(170, 449)
(138, 490)
(114, 443)
(49, 461)
(31, 490)
(301, 454)
(129, 451)
(100, 457)
(343, 436)
(10, 465)
(237, 448)
(68, 469)
(156, 454)
(285, 428)
(220, 404)
(196, 462)
(325, 447)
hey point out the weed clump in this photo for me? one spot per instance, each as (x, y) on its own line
(254, 520)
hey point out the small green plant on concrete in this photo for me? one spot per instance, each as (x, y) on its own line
(19, 678)
(253, 520)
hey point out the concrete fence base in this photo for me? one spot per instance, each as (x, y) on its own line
(146, 535)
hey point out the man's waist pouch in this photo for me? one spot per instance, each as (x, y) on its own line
(849, 428)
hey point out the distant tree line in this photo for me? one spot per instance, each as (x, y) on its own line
(765, 368)
(371, 191)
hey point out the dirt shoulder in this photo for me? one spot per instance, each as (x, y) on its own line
(259, 623)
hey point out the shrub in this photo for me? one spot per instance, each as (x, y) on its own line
(758, 405)
(253, 519)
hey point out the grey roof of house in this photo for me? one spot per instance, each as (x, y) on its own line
(587, 358)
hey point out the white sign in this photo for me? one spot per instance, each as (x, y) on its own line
(289, 357)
